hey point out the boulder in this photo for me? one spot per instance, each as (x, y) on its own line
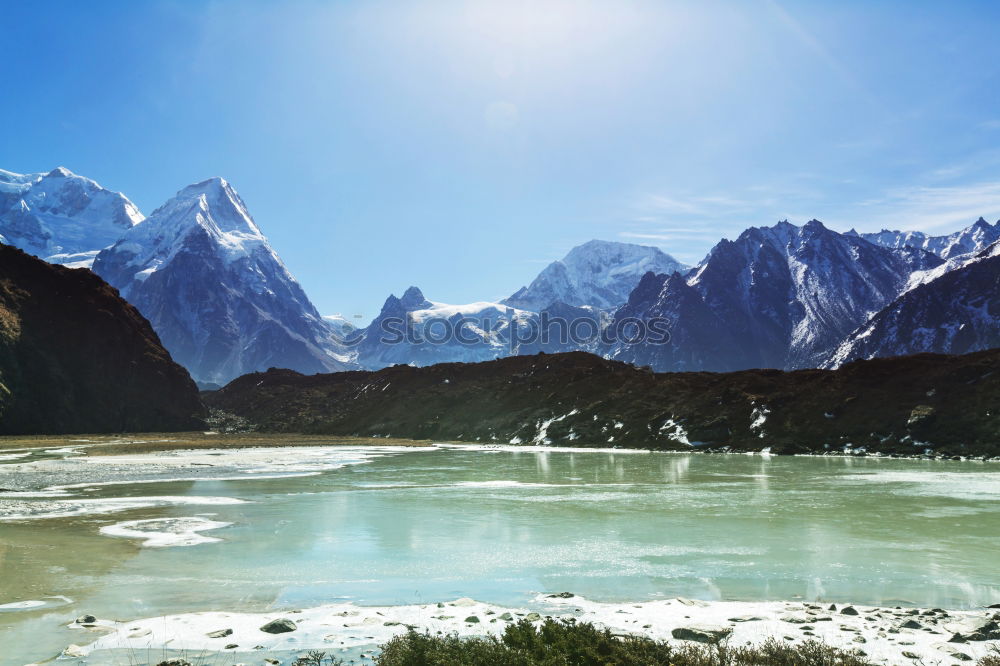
(975, 629)
(794, 618)
(692, 602)
(472, 619)
(702, 633)
(280, 626)
(221, 633)
(848, 610)
(175, 662)
(952, 651)
(86, 619)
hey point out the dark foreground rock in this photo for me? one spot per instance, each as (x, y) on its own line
(701, 633)
(578, 399)
(76, 358)
(280, 626)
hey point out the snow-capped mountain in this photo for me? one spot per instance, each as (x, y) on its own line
(974, 238)
(215, 291)
(412, 330)
(955, 313)
(784, 296)
(61, 217)
(597, 273)
(776, 297)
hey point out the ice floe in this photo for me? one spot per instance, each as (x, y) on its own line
(166, 532)
(13, 510)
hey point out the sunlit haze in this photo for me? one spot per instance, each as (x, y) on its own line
(460, 146)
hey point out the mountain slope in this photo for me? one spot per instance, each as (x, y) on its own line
(901, 406)
(61, 217)
(76, 358)
(216, 292)
(597, 273)
(699, 339)
(954, 313)
(776, 297)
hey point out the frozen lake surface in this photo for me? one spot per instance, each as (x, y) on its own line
(265, 530)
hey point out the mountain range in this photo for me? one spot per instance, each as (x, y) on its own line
(785, 296)
(776, 297)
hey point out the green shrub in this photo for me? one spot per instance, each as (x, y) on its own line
(566, 643)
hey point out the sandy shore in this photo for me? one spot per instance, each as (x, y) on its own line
(885, 635)
(110, 445)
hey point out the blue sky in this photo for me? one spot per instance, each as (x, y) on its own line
(460, 146)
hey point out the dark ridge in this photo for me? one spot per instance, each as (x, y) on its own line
(76, 358)
(899, 406)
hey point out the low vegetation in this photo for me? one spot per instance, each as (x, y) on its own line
(567, 643)
(559, 643)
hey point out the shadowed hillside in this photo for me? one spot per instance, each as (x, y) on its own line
(900, 405)
(76, 358)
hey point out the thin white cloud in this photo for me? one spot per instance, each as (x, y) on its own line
(665, 204)
(927, 208)
(657, 206)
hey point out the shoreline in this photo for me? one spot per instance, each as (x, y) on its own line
(119, 444)
(883, 634)
(142, 443)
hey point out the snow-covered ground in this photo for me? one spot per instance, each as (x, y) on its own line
(886, 635)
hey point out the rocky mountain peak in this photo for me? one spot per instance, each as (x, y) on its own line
(413, 299)
(222, 301)
(60, 172)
